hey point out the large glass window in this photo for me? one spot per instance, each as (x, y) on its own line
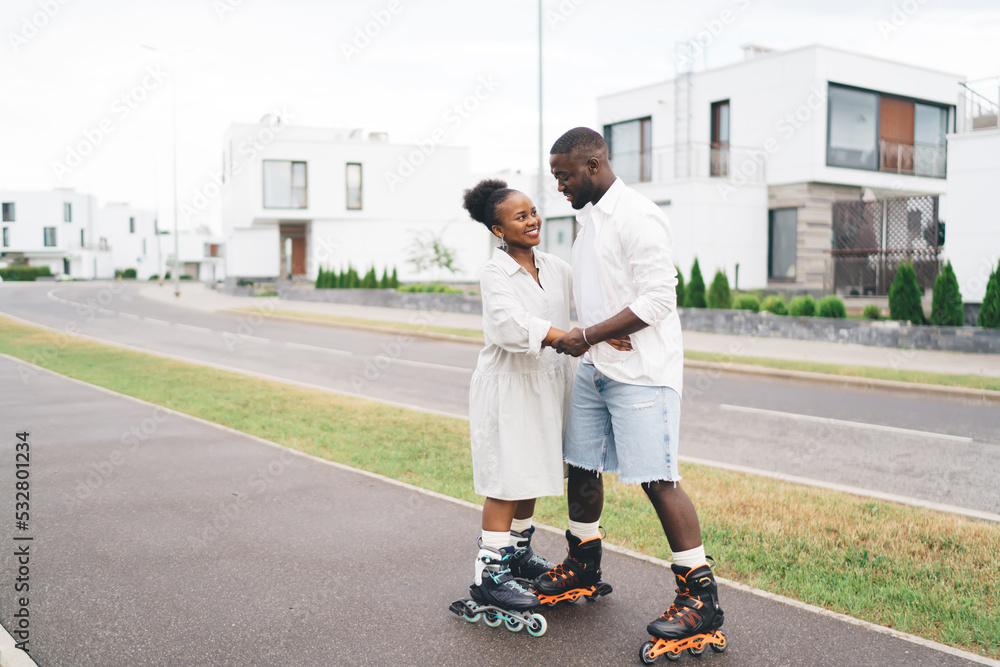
(6, 237)
(929, 130)
(8, 211)
(782, 242)
(285, 184)
(853, 130)
(630, 147)
(353, 186)
(50, 236)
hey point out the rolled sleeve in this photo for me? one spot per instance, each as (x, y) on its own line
(649, 248)
(505, 320)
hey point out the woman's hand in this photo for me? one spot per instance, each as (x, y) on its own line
(623, 344)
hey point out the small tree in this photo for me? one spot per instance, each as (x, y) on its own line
(680, 288)
(370, 280)
(719, 295)
(904, 296)
(694, 293)
(430, 252)
(946, 305)
(394, 279)
(320, 278)
(989, 312)
(871, 312)
(774, 304)
(384, 282)
(831, 306)
(802, 306)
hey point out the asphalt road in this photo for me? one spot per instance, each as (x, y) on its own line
(931, 448)
(201, 546)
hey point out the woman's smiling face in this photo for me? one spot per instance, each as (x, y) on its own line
(519, 223)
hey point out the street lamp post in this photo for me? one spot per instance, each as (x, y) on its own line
(173, 115)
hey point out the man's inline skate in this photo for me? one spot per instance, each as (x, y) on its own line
(693, 620)
(577, 576)
(496, 597)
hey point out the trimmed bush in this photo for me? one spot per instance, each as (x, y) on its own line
(746, 302)
(384, 282)
(871, 312)
(680, 288)
(393, 280)
(438, 288)
(719, 295)
(904, 296)
(946, 305)
(831, 306)
(989, 312)
(370, 281)
(694, 293)
(774, 304)
(21, 273)
(802, 306)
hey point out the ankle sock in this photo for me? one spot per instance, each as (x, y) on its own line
(585, 531)
(496, 540)
(521, 525)
(691, 558)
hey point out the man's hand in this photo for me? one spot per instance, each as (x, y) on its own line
(572, 343)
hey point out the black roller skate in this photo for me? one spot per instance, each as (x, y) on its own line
(525, 564)
(497, 598)
(577, 576)
(693, 620)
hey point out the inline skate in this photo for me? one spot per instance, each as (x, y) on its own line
(693, 620)
(577, 576)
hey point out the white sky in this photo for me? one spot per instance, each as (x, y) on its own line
(243, 58)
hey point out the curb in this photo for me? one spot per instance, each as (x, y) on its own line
(871, 383)
(10, 656)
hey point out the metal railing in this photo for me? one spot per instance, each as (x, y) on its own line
(916, 159)
(979, 104)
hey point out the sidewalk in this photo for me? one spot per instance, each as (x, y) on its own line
(196, 295)
(200, 545)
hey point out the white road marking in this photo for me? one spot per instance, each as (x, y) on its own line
(392, 360)
(191, 327)
(427, 364)
(130, 316)
(317, 348)
(153, 320)
(841, 422)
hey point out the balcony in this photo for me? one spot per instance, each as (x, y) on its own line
(979, 105)
(913, 159)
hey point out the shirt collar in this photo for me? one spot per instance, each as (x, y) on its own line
(508, 263)
(605, 205)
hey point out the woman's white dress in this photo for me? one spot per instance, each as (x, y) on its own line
(520, 391)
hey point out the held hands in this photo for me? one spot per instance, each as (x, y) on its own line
(573, 343)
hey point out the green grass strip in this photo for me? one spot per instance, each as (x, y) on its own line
(928, 574)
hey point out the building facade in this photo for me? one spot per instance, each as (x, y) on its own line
(748, 159)
(295, 199)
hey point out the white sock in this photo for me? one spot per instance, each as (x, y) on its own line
(496, 540)
(585, 531)
(691, 557)
(521, 525)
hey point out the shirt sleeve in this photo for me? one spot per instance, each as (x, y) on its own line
(648, 245)
(505, 320)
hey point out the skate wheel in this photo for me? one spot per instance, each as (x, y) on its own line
(472, 618)
(492, 619)
(722, 645)
(696, 651)
(538, 626)
(673, 656)
(644, 653)
(513, 624)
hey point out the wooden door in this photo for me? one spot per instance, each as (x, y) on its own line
(896, 135)
(298, 256)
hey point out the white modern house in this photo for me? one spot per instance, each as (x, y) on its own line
(298, 198)
(748, 160)
(130, 234)
(973, 224)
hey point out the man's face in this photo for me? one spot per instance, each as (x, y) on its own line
(573, 178)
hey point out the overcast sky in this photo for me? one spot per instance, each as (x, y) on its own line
(74, 71)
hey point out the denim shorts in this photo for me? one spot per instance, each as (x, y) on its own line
(628, 429)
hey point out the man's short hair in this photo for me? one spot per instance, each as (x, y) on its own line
(580, 139)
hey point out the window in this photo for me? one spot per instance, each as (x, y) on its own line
(782, 241)
(131, 225)
(852, 137)
(8, 211)
(6, 237)
(284, 184)
(868, 130)
(353, 186)
(67, 212)
(144, 246)
(630, 147)
(720, 139)
(81, 238)
(50, 237)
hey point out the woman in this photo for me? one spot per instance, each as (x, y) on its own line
(519, 393)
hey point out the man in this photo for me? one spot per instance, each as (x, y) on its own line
(624, 412)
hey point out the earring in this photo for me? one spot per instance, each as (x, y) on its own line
(503, 244)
